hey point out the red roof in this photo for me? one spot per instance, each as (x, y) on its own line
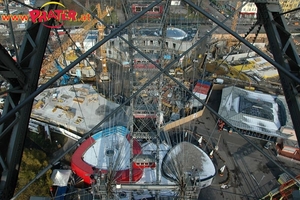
(84, 170)
(201, 88)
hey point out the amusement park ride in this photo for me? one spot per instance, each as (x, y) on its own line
(23, 76)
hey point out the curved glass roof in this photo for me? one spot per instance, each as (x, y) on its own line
(176, 33)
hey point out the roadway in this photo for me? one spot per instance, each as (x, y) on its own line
(252, 175)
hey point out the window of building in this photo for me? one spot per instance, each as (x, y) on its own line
(138, 9)
(156, 9)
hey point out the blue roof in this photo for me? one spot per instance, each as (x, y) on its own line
(204, 82)
(109, 131)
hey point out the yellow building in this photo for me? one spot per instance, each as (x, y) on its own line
(263, 69)
(243, 65)
(288, 5)
(249, 9)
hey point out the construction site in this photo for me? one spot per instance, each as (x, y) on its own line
(153, 100)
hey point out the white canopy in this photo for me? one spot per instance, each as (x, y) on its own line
(60, 177)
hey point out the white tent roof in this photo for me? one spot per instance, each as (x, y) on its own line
(60, 177)
(253, 111)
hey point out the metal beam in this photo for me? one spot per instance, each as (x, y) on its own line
(51, 81)
(244, 41)
(111, 114)
(14, 129)
(146, 186)
(73, 64)
(285, 54)
(165, 70)
(9, 69)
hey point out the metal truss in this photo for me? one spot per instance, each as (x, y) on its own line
(18, 107)
(285, 54)
(23, 77)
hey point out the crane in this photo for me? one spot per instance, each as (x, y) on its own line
(236, 16)
(65, 77)
(23, 77)
(48, 64)
(104, 76)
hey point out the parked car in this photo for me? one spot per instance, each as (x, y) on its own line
(268, 145)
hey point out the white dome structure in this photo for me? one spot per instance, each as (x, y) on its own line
(176, 33)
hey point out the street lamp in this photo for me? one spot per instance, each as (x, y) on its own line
(217, 146)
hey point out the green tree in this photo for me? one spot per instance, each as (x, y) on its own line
(33, 161)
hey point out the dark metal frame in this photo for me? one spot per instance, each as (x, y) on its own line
(23, 76)
(20, 102)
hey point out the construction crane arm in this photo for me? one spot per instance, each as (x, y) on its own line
(236, 16)
(104, 76)
(48, 64)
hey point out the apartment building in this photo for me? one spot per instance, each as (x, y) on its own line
(249, 10)
(288, 5)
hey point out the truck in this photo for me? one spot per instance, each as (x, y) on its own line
(218, 81)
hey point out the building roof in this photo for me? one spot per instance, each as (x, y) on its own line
(110, 140)
(187, 158)
(152, 56)
(149, 175)
(107, 149)
(78, 108)
(91, 37)
(263, 68)
(172, 32)
(201, 90)
(253, 111)
(176, 33)
(110, 149)
(60, 177)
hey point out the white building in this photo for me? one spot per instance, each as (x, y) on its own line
(255, 114)
(27, 2)
(263, 68)
(249, 10)
(90, 41)
(78, 98)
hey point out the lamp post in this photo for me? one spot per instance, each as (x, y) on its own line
(217, 146)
